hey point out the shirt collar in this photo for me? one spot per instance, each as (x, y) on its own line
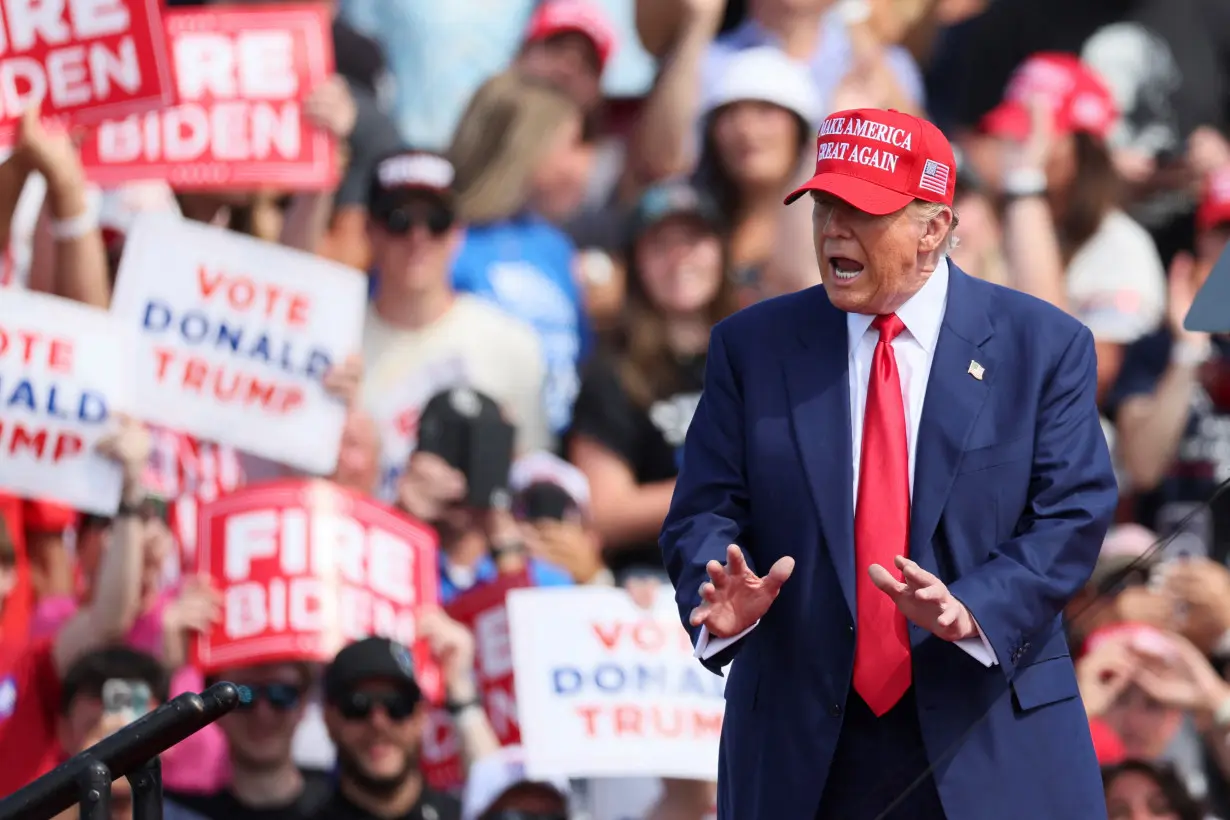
(922, 314)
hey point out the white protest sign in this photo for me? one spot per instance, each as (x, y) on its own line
(63, 374)
(397, 416)
(615, 692)
(234, 336)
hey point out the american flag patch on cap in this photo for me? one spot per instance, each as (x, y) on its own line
(934, 178)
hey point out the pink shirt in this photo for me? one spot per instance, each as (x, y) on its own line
(198, 764)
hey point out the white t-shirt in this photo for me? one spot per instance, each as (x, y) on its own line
(1116, 282)
(475, 344)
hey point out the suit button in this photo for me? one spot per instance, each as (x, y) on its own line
(835, 710)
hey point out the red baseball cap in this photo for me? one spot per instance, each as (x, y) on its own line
(880, 161)
(1214, 207)
(1079, 100)
(564, 16)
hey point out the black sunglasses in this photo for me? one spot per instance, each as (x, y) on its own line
(281, 696)
(359, 705)
(434, 216)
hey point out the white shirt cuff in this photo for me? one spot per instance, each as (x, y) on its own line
(979, 648)
(707, 647)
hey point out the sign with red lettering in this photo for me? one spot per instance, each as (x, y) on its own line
(482, 611)
(84, 59)
(234, 336)
(241, 76)
(63, 372)
(615, 692)
(306, 567)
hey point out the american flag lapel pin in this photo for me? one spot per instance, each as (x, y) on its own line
(976, 370)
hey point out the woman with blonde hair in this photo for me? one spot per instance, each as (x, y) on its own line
(521, 169)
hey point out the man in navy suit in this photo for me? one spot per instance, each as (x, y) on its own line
(918, 454)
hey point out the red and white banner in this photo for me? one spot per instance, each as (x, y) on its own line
(482, 610)
(306, 567)
(83, 59)
(241, 76)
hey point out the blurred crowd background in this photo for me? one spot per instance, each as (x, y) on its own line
(594, 184)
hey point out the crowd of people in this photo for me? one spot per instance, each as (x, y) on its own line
(563, 252)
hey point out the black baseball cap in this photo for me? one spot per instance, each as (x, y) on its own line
(408, 174)
(675, 199)
(368, 660)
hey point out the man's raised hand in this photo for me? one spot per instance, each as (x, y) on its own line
(734, 598)
(924, 599)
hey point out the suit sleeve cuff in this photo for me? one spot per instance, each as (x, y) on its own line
(708, 646)
(978, 648)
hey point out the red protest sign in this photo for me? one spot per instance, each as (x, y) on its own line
(306, 567)
(241, 76)
(482, 610)
(84, 59)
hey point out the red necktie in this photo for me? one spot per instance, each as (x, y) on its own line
(882, 529)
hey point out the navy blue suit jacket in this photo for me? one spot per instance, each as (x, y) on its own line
(1013, 493)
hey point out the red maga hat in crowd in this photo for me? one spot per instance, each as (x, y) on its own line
(1079, 100)
(880, 161)
(1214, 207)
(565, 16)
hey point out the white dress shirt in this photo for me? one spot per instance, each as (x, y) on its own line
(914, 349)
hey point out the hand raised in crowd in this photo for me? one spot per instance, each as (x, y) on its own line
(130, 446)
(51, 153)
(925, 600)
(331, 106)
(452, 645)
(1104, 673)
(734, 597)
(567, 544)
(1177, 674)
(1142, 605)
(429, 486)
(195, 610)
(1207, 151)
(1034, 152)
(1182, 283)
(344, 381)
(1203, 588)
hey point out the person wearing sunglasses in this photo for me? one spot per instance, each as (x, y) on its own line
(266, 783)
(420, 335)
(376, 714)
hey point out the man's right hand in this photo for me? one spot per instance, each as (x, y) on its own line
(734, 598)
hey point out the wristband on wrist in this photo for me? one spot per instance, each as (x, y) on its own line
(1024, 182)
(75, 227)
(1185, 353)
(854, 12)
(455, 708)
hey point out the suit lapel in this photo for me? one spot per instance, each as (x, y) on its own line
(817, 379)
(954, 399)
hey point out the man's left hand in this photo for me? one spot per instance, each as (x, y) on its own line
(925, 600)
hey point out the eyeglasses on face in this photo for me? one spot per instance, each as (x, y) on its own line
(281, 696)
(360, 705)
(435, 217)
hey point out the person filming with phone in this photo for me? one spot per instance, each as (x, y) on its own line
(457, 480)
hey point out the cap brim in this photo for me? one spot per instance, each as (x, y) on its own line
(1008, 119)
(389, 199)
(866, 196)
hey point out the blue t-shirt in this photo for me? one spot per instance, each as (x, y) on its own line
(541, 573)
(524, 265)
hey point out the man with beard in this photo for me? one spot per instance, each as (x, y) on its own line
(376, 714)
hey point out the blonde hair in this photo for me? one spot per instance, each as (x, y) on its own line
(507, 126)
